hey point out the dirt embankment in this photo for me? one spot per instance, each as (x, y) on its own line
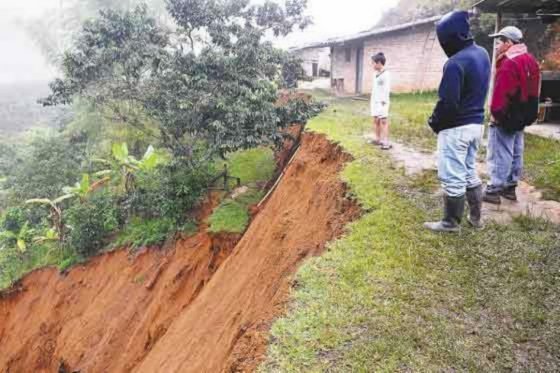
(200, 307)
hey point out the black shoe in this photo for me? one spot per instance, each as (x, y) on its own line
(492, 197)
(454, 207)
(474, 200)
(509, 193)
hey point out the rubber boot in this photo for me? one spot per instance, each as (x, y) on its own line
(474, 200)
(491, 196)
(454, 207)
(509, 193)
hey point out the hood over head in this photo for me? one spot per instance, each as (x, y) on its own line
(454, 32)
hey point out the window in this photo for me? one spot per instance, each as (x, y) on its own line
(348, 53)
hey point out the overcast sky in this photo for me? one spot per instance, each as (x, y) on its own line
(21, 61)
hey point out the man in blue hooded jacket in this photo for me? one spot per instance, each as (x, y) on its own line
(458, 121)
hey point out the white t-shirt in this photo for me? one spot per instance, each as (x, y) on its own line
(381, 93)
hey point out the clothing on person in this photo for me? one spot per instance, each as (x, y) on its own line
(466, 76)
(505, 158)
(381, 94)
(457, 150)
(514, 106)
(458, 118)
(515, 101)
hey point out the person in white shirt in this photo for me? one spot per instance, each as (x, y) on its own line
(380, 101)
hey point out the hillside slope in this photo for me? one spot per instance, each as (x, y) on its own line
(195, 308)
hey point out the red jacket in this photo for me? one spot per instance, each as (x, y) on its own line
(515, 101)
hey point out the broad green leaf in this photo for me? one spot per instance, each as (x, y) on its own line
(120, 152)
(22, 246)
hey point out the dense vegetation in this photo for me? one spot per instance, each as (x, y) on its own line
(156, 101)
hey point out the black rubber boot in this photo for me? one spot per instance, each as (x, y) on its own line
(474, 200)
(454, 207)
(509, 193)
(492, 197)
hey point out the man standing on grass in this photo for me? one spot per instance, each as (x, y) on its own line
(380, 101)
(515, 105)
(458, 120)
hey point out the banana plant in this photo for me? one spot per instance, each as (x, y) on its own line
(124, 166)
(49, 236)
(85, 187)
(55, 207)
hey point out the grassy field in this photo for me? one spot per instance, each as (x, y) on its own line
(390, 296)
(409, 115)
(542, 165)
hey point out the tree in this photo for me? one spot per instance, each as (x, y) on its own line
(210, 85)
(54, 30)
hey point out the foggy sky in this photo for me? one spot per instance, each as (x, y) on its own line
(21, 60)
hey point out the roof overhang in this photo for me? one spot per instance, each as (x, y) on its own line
(520, 6)
(347, 40)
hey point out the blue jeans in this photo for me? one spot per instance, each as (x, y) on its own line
(457, 149)
(505, 158)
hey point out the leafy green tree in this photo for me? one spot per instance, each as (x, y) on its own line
(210, 85)
(53, 31)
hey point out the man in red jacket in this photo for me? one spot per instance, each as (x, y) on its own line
(515, 104)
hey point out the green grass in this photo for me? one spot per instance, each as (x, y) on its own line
(542, 165)
(409, 119)
(232, 216)
(390, 296)
(15, 264)
(140, 233)
(252, 166)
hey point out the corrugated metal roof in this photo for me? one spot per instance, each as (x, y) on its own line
(519, 6)
(368, 33)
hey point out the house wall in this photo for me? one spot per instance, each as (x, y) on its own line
(321, 56)
(344, 69)
(414, 58)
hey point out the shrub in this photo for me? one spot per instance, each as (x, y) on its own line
(170, 191)
(142, 233)
(91, 222)
(13, 220)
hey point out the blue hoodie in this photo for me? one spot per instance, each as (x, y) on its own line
(466, 75)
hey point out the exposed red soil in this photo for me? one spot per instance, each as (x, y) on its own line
(202, 306)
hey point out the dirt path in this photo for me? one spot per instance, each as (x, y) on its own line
(203, 306)
(530, 201)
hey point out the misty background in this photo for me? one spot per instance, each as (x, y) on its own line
(33, 34)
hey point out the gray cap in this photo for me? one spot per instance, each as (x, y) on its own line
(510, 32)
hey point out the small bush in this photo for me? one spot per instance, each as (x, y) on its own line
(91, 222)
(13, 220)
(141, 233)
(170, 191)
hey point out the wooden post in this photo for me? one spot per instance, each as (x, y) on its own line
(499, 17)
